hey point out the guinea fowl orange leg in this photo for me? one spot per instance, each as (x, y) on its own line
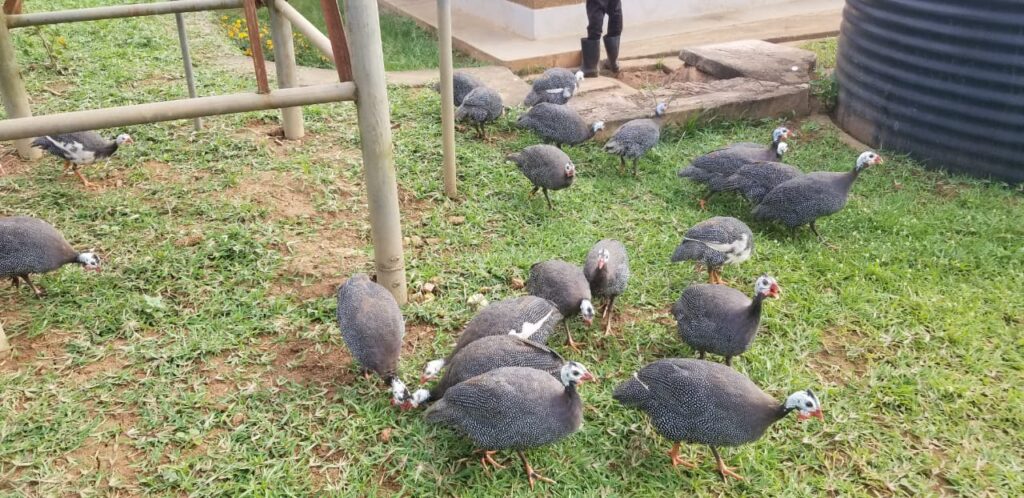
(635, 161)
(622, 164)
(531, 474)
(575, 346)
(723, 469)
(67, 167)
(488, 459)
(608, 315)
(677, 460)
(80, 177)
(533, 192)
(39, 292)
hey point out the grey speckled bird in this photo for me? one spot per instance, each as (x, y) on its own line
(633, 139)
(754, 180)
(721, 320)
(527, 317)
(547, 168)
(559, 124)
(700, 402)
(555, 86)
(718, 165)
(30, 245)
(513, 408)
(716, 242)
(565, 285)
(480, 107)
(80, 149)
(462, 84)
(607, 271)
(804, 199)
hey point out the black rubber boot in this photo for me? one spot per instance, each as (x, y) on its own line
(611, 48)
(591, 56)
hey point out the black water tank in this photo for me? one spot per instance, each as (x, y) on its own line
(942, 80)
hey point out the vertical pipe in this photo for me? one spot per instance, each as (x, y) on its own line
(186, 58)
(252, 22)
(284, 61)
(12, 90)
(374, 113)
(444, 41)
(339, 45)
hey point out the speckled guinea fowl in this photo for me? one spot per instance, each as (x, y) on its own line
(528, 317)
(480, 107)
(30, 245)
(633, 139)
(81, 149)
(565, 285)
(804, 199)
(555, 86)
(714, 167)
(489, 353)
(462, 84)
(559, 124)
(547, 168)
(701, 402)
(753, 181)
(513, 408)
(607, 271)
(721, 320)
(716, 242)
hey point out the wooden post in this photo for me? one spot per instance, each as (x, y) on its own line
(284, 61)
(12, 90)
(339, 45)
(374, 113)
(252, 22)
(186, 59)
(444, 42)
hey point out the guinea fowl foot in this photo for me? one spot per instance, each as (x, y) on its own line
(678, 460)
(703, 204)
(488, 459)
(85, 182)
(723, 469)
(533, 475)
(575, 346)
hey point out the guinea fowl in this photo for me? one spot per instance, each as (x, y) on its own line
(559, 124)
(717, 165)
(716, 242)
(489, 353)
(547, 168)
(756, 179)
(555, 86)
(633, 139)
(513, 408)
(480, 107)
(462, 84)
(372, 326)
(81, 149)
(565, 285)
(806, 198)
(607, 271)
(30, 245)
(526, 317)
(721, 320)
(697, 401)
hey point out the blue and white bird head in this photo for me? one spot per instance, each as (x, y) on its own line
(587, 312)
(767, 286)
(124, 139)
(89, 261)
(868, 159)
(781, 133)
(597, 126)
(574, 373)
(579, 77)
(806, 404)
(659, 110)
(570, 169)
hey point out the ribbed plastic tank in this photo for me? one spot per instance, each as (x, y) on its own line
(941, 80)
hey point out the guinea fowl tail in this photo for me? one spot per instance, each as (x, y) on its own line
(694, 173)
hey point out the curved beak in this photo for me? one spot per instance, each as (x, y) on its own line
(879, 160)
(424, 378)
(588, 377)
(600, 264)
(588, 321)
(790, 134)
(819, 415)
(774, 291)
(407, 405)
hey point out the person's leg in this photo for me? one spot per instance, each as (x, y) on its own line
(591, 45)
(611, 39)
(595, 19)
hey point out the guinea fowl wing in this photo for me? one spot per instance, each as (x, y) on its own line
(803, 199)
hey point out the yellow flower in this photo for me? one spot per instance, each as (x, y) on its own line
(270, 44)
(243, 35)
(223, 18)
(248, 52)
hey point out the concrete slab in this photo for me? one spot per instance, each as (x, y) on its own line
(752, 59)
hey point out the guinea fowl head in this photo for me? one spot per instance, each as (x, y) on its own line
(400, 396)
(579, 77)
(659, 110)
(766, 286)
(124, 139)
(597, 126)
(866, 160)
(431, 370)
(574, 373)
(89, 261)
(780, 134)
(587, 312)
(602, 258)
(570, 170)
(806, 405)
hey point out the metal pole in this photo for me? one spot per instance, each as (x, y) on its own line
(374, 114)
(12, 91)
(113, 12)
(444, 41)
(174, 109)
(186, 57)
(302, 25)
(284, 61)
(252, 22)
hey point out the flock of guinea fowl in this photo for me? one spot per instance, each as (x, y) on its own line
(502, 387)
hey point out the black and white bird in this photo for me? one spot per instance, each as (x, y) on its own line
(754, 180)
(481, 106)
(633, 139)
(81, 149)
(462, 84)
(715, 242)
(559, 124)
(721, 320)
(700, 402)
(547, 168)
(513, 408)
(716, 166)
(607, 271)
(30, 245)
(555, 86)
(565, 285)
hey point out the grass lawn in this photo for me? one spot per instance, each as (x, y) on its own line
(205, 360)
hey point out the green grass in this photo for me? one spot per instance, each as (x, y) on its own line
(202, 361)
(824, 86)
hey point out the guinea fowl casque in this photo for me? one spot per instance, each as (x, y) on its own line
(607, 271)
(526, 317)
(81, 149)
(716, 166)
(701, 402)
(480, 107)
(565, 285)
(30, 245)
(804, 199)
(633, 139)
(462, 84)
(547, 168)
(513, 408)
(721, 320)
(559, 124)
(754, 180)
(716, 242)
(555, 86)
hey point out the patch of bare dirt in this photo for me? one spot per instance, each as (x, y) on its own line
(415, 336)
(10, 163)
(106, 457)
(946, 191)
(833, 363)
(647, 78)
(285, 195)
(310, 363)
(108, 363)
(218, 374)
(316, 264)
(41, 353)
